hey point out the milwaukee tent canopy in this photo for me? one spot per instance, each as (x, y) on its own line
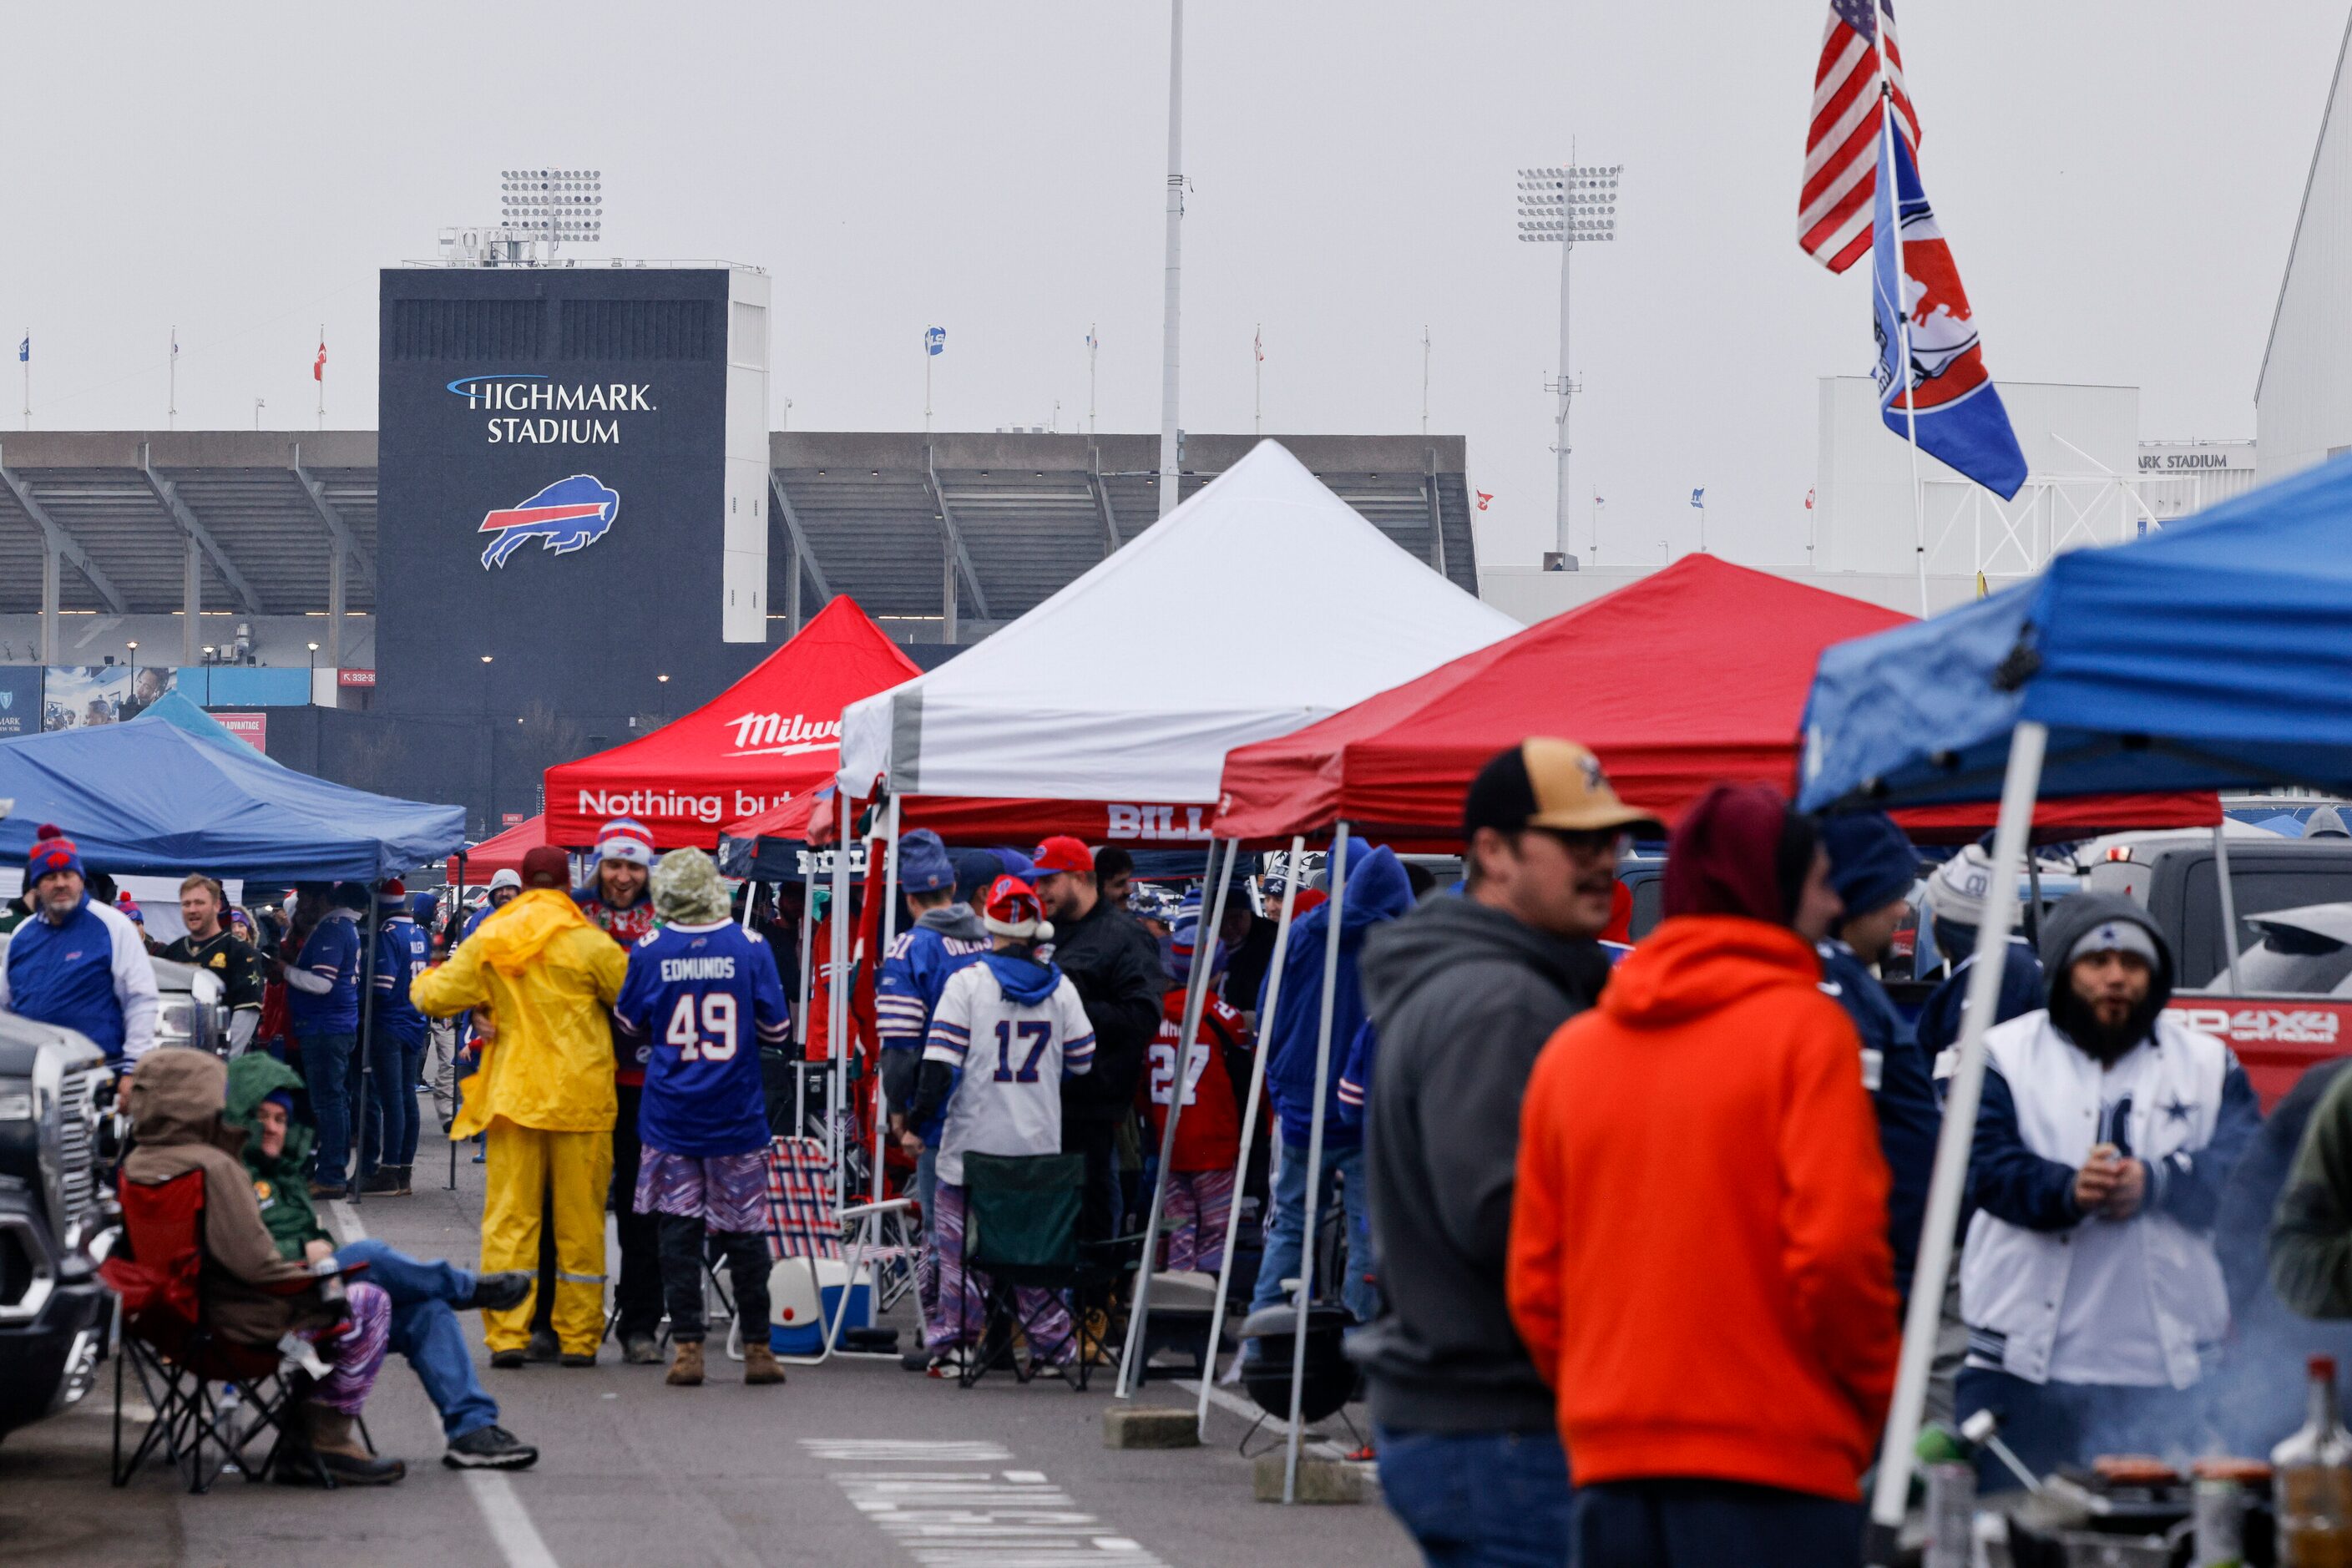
(770, 737)
(1693, 675)
(151, 798)
(501, 852)
(2214, 654)
(1261, 604)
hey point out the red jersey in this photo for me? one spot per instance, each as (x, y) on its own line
(1209, 1135)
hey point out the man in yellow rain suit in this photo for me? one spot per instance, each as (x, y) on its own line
(547, 977)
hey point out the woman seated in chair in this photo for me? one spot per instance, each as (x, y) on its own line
(176, 1100)
(1007, 1031)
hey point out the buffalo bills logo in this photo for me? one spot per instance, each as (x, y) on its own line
(568, 515)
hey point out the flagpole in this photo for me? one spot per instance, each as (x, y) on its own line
(1257, 382)
(1902, 309)
(321, 367)
(1425, 381)
(171, 402)
(1091, 346)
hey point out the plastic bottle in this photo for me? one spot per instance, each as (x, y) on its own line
(2314, 1468)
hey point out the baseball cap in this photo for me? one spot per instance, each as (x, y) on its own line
(1544, 781)
(1062, 853)
(545, 866)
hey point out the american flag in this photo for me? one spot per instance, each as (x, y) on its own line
(1841, 144)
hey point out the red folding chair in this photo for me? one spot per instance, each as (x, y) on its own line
(169, 1342)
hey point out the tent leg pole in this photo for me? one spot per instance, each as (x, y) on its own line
(1249, 1123)
(359, 1117)
(836, 1023)
(2229, 901)
(800, 1023)
(1315, 1164)
(1952, 1144)
(1196, 998)
(889, 935)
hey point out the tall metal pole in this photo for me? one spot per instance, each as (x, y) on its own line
(1559, 443)
(1899, 305)
(1092, 345)
(1172, 310)
(171, 403)
(1424, 379)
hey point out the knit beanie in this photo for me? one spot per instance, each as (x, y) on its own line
(1872, 864)
(52, 852)
(923, 863)
(1739, 851)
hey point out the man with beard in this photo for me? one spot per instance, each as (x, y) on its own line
(619, 903)
(2090, 1285)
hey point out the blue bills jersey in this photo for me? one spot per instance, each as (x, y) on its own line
(704, 998)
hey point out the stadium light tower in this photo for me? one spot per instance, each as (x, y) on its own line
(556, 206)
(1568, 205)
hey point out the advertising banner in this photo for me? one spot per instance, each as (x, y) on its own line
(253, 729)
(77, 696)
(20, 698)
(148, 682)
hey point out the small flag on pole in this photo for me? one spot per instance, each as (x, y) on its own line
(1258, 344)
(935, 340)
(175, 342)
(1484, 497)
(1698, 497)
(25, 348)
(319, 365)
(1981, 590)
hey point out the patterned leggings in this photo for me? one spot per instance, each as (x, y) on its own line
(356, 1355)
(1198, 1204)
(962, 1294)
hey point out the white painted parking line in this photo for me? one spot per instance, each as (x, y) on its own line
(950, 1518)
(347, 1219)
(518, 1538)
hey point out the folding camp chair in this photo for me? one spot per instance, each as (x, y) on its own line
(168, 1344)
(803, 1225)
(1021, 1225)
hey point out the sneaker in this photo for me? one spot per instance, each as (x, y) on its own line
(490, 1449)
(386, 1180)
(915, 1361)
(640, 1350)
(542, 1346)
(321, 1189)
(506, 1360)
(498, 1292)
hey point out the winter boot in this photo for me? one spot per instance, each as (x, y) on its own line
(542, 1346)
(640, 1350)
(383, 1179)
(759, 1364)
(686, 1364)
(346, 1458)
(403, 1190)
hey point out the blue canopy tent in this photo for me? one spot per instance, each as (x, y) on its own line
(2213, 654)
(150, 797)
(182, 714)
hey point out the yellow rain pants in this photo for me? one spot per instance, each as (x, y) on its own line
(576, 1168)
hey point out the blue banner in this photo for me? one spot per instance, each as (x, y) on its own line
(20, 698)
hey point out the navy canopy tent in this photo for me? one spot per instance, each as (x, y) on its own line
(150, 797)
(2215, 654)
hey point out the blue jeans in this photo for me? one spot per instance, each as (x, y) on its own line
(391, 1103)
(1289, 1217)
(1677, 1522)
(326, 1067)
(424, 1299)
(1480, 1500)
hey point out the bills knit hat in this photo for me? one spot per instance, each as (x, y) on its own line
(1012, 911)
(52, 852)
(624, 839)
(923, 863)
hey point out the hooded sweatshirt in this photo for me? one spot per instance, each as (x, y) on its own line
(1699, 1255)
(1376, 892)
(176, 1099)
(943, 941)
(280, 1187)
(1463, 997)
(1007, 1032)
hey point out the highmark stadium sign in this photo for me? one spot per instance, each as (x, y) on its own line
(538, 409)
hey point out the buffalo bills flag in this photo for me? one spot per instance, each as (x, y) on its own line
(1943, 399)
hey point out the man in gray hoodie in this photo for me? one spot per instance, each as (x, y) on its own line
(1463, 993)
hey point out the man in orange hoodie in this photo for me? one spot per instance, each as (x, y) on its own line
(1699, 1257)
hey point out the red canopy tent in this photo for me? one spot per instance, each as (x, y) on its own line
(772, 736)
(1696, 675)
(503, 852)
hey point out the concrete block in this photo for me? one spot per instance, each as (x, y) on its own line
(1151, 1427)
(1319, 1480)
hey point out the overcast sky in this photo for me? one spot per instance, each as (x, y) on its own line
(2119, 182)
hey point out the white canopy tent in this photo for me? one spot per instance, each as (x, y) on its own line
(1281, 605)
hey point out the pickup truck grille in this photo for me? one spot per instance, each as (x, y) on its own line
(75, 1175)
